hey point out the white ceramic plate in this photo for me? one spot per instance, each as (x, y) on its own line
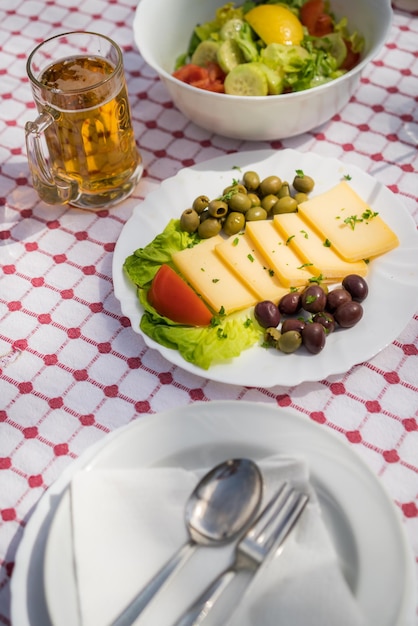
(360, 516)
(392, 280)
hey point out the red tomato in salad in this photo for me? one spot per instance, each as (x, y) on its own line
(351, 59)
(172, 297)
(316, 19)
(210, 77)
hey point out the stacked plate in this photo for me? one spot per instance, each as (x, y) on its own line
(362, 521)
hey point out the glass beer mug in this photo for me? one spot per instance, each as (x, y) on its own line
(81, 148)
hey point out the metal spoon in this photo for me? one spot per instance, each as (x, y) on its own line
(219, 508)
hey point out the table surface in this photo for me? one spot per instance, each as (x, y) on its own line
(72, 369)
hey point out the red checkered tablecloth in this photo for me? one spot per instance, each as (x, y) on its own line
(72, 369)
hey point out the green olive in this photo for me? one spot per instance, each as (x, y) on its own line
(234, 223)
(255, 214)
(189, 221)
(269, 185)
(268, 202)
(239, 202)
(210, 227)
(235, 188)
(301, 197)
(217, 208)
(255, 200)
(290, 341)
(303, 183)
(251, 180)
(200, 204)
(284, 190)
(272, 336)
(287, 204)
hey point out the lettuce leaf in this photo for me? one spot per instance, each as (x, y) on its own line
(142, 265)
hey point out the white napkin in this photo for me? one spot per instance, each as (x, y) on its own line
(127, 524)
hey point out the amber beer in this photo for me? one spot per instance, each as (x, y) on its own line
(92, 160)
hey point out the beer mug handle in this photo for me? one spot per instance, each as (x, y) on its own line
(52, 188)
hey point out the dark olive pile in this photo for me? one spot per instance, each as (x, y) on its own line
(243, 201)
(306, 318)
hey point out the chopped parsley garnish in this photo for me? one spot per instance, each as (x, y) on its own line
(305, 234)
(327, 243)
(221, 334)
(347, 177)
(250, 257)
(215, 280)
(369, 214)
(366, 216)
(289, 239)
(316, 279)
(352, 221)
(300, 173)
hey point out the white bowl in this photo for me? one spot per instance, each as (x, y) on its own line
(162, 32)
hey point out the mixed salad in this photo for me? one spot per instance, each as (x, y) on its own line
(270, 48)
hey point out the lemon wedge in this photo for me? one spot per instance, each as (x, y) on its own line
(275, 24)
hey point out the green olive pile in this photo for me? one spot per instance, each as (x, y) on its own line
(310, 315)
(249, 200)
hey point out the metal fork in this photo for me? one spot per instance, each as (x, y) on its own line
(261, 542)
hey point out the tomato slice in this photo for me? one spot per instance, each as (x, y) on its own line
(351, 59)
(323, 25)
(191, 73)
(215, 72)
(172, 297)
(315, 18)
(217, 86)
(210, 78)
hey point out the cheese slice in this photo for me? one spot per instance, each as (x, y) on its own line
(242, 256)
(287, 265)
(315, 250)
(355, 231)
(218, 285)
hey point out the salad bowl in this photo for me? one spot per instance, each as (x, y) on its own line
(162, 33)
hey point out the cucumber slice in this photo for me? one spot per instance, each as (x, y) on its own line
(231, 28)
(206, 52)
(229, 55)
(274, 79)
(246, 80)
